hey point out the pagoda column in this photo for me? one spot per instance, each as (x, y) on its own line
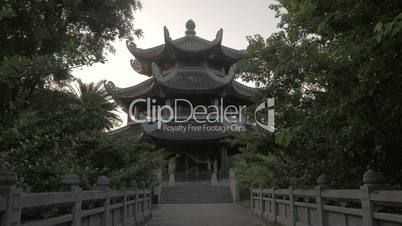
(216, 102)
(223, 172)
(168, 101)
(214, 178)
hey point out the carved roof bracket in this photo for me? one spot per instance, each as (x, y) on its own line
(132, 47)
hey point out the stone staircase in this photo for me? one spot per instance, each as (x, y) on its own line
(196, 192)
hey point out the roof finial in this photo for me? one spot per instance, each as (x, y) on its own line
(190, 25)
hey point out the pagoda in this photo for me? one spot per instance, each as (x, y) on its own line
(202, 72)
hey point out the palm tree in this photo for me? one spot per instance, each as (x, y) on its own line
(95, 98)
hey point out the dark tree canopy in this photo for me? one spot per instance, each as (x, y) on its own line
(335, 71)
(46, 130)
(41, 40)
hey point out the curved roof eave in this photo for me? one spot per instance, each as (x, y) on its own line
(240, 90)
(138, 89)
(186, 45)
(151, 54)
(134, 130)
(230, 55)
(193, 79)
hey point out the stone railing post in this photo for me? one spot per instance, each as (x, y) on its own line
(157, 188)
(251, 199)
(123, 189)
(12, 196)
(133, 186)
(261, 201)
(274, 205)
(322, 184)
(102, 184)
(71, 182)
(372, 180)
(141, 186)
(150, 188)
(292, 205)
(149, 201)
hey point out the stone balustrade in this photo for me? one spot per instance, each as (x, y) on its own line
(104, 206)
(371, 205)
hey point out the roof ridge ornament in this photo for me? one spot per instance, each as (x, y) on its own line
(190, 26)
(219, 36)
(168, 39)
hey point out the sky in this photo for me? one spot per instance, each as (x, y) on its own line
(238, 18)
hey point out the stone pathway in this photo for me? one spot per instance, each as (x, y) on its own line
(222, 214)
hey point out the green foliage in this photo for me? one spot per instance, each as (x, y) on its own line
(40, 42)
(335, 72)
(390, 29)
(46, 129)
(61, 135)
(119, 157)
(135, 161)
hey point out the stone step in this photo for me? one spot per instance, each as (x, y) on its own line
(196, 198)
(196, 193)
(196, 201)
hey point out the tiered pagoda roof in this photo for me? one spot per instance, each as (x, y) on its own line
(186, 48)
(189, 65)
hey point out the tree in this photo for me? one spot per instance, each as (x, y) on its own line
(46, 131)
(335, 73)
(40, 42)
(96, 99)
